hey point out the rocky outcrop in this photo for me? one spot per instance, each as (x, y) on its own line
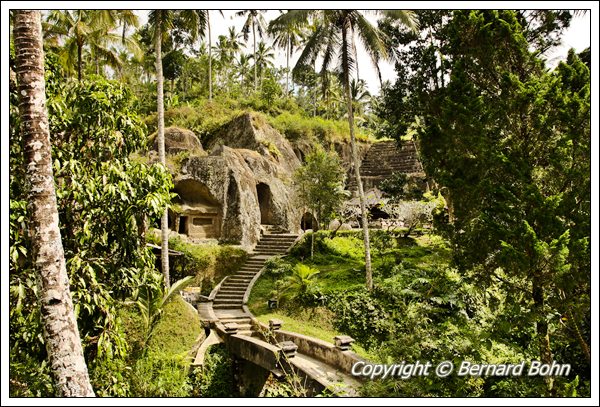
(252, 132)
(178, 140)
(248, 178)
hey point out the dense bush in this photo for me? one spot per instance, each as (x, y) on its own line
(215, 378)
(208, 263)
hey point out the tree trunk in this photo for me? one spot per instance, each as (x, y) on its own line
(361, 193)
(287, 73)
(209, 56)
(542, 328)
(79, 62)
(61, 335)
(255, 62)
(164, 222)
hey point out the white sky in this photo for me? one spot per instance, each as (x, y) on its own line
(577, 36)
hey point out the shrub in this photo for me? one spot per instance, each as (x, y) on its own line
(208, 264)
(359, 315)
(160, 375)
(215, 378)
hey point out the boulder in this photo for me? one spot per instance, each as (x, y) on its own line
(250, 131)
(334, 224)
(346, 226)
(248, 188)
(178, 140)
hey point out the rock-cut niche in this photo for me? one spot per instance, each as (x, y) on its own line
(265, 203)
(197, 213)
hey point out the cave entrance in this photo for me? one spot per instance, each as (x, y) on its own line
(308, 221)
(183, 225)
(377, 213)
(198, 211)
(265, 203)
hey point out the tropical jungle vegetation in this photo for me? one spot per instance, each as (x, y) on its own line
(491, 265)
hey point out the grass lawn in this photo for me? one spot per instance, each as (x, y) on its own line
(310, 327)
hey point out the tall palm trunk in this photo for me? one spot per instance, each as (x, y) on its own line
(209, 55)
(255, 61)
(287, 74)
(356, 162)
(61, 335)
(164, 222)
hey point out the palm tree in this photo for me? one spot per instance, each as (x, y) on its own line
(162, 21)
(289, 37)
(263, 58)
(91, 28)
(256, 21)
(61, 335)
(243, 65)
(233, 42)
(335, 37)
(360, 95)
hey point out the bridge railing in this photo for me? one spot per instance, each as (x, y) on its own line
(316, 348)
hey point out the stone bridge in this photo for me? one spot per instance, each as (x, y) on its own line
(264, 349)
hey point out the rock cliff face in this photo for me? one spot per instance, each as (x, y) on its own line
(252, 132)
(248, 179)
(244, 185)
(178, 140)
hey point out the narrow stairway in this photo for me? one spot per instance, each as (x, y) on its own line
(229, 301)
(386, 158)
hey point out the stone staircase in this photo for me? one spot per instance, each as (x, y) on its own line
(229, 300)
(384, 159)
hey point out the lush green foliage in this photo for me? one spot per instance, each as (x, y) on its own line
(320, 184)
(207, 264)
(508, 143)
(215, 377)
(420, 309)
(160, 366)
(104, 201)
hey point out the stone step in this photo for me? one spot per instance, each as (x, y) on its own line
(234, 285)
(277, 241)
(227, 306)
(270, 249)
(239, 276)
(239, 280)
(246, 273)
(274, 242)
(221, 295)
(237, 320)
(240, 291)
(227, 301)
(283, 247)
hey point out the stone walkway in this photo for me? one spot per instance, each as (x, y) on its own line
(228, 308)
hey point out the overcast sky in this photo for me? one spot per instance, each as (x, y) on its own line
(577, 36)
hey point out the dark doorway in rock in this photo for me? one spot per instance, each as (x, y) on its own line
(265, 203)
(183, 225)
(377, 213)
(308, 222)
